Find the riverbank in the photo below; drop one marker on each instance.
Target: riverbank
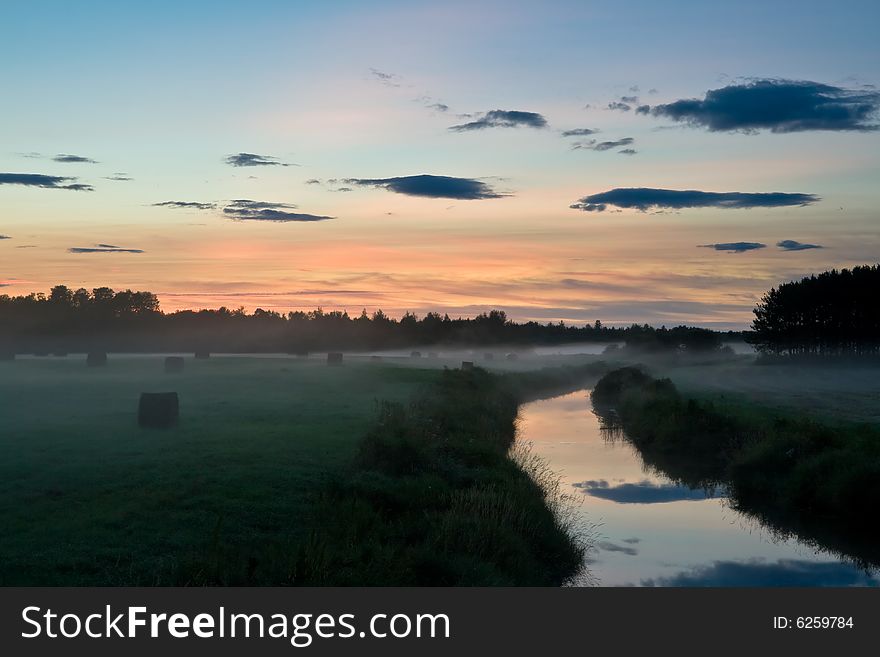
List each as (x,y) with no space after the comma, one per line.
(797,475)
(437,497)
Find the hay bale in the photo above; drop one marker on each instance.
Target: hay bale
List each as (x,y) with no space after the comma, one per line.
(202,355)
(174,364)
(158,410)
(467,364)
(334,358)
(415,354)
(96,359)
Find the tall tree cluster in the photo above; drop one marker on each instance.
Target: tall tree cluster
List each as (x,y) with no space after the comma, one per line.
(833,313)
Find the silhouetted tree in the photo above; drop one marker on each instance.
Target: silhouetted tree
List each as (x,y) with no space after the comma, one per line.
(832,314)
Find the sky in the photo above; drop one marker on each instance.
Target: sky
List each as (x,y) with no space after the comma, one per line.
(628,162)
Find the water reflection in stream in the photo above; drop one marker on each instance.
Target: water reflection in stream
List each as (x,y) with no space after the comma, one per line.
(655,533)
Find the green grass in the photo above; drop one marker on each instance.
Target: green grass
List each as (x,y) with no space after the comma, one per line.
(88,498)
(820,481)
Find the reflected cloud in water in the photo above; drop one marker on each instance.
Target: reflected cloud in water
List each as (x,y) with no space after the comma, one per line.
(758,572)
(643,492)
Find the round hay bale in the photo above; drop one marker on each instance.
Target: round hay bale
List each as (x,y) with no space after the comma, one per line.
(334,358)
(174,364)
(96,359)
(202,355)
(467,364)
(158,410)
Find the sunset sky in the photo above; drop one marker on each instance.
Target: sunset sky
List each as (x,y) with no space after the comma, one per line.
(269,154)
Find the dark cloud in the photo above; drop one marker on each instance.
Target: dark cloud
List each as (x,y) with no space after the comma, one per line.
(440,107)
(44,181)
(632,541)
(247,210)
(503,119)
(119,176)
(643,492)
(792,245)
(619,106)
(608,546)
(760,573)
(254,160)
(432,186)
(594,145)
(5,237)
(645,198)
(186,204)
(777,106)
(102,248)
(64,157)
(313,181)
(735,247)
(579,132)
(629,100)
(628,151)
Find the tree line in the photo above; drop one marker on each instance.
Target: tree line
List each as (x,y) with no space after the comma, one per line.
(835,313)
(66,320)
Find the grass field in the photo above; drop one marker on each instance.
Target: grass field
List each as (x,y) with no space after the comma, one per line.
(87,497)
(847,394)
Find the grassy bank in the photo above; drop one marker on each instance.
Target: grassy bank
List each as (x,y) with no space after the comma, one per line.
(798,475)
(435,496)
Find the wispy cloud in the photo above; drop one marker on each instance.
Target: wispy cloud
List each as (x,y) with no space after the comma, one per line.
(254,160)
(72,159)
(102,248)
(388,79)
(777,106)
(579,132)
(432,186)
(792,245)
(119,177)
(646,198)
(595,145)
(503,119)
(247,210)
(734,247)
(619,106)
(44,181)
(192,205)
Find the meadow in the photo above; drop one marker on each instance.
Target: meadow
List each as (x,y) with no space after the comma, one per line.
(87,497)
